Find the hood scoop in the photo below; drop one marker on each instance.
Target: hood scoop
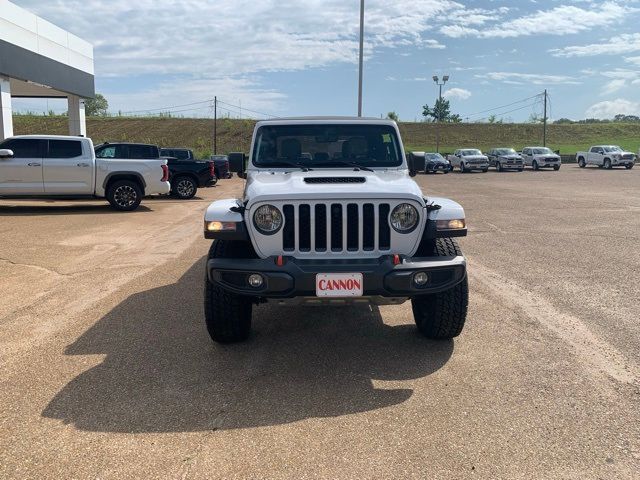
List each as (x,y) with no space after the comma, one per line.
(335,180)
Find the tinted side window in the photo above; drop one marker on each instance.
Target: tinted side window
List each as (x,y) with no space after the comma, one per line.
(64,149)
(106,152)
(143,151)
(25,147)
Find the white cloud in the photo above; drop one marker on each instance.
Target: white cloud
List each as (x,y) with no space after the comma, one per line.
(457,93)
(618,45)
(613,86)
(634,60)
(611,108)
(515,78)
(561,20)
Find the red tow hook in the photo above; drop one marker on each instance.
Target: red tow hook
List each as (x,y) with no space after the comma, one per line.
(396,259)
(279,261)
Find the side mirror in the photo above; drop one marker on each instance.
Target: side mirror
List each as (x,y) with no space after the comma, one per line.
(6,153)
(237,162)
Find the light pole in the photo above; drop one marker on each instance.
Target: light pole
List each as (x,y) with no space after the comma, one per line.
(361,60)
(445,79)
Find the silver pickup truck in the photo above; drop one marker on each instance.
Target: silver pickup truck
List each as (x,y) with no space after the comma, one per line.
(606,156)
(55,166)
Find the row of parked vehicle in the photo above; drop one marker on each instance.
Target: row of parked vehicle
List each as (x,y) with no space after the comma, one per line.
(123,173)
(502,159)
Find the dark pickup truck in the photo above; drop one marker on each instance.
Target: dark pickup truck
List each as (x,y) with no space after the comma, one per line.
(185,175)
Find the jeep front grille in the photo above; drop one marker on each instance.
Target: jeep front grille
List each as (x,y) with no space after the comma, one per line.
(336,227)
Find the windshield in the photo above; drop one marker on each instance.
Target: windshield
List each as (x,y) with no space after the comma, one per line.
(505,151)
(326,146)
(612,149)
(542,151)
(466,153)
(434,156)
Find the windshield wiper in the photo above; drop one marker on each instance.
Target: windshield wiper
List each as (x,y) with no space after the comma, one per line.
(355,165)
(281,163)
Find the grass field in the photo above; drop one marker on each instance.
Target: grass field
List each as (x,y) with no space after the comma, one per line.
(235,135)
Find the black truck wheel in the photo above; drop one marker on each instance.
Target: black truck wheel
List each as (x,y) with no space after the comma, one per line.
(227,315)
(124,195)
(184,187)
(442,315)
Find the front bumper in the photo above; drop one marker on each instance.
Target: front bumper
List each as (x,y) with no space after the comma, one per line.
(437,167)
(297,278)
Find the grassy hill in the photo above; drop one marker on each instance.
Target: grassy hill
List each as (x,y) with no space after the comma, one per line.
(235,135)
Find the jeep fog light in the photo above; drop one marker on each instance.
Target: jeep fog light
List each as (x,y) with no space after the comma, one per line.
(267,219)
(255,280)
(404,218)
(420,279)
(220,226)
(457,224)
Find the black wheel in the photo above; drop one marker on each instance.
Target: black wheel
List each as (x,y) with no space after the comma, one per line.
(607,164)
(535,165)
(498,166)
(629,166)
(581,162)
(227,315)
(442,315)
(556,167)
(521,169)
(184,187)
(462,168)
(485,170)
(124,195)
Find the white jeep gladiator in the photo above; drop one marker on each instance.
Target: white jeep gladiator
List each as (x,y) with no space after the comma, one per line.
(330,216)
(63,166)
(606,156)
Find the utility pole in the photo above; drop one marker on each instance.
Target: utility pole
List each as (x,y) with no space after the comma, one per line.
(215,125)
(361,59)
(445,79)
(544,121)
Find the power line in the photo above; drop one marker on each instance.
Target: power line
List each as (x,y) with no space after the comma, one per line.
(247,109)
(502,106)
(168,108)
(510,111)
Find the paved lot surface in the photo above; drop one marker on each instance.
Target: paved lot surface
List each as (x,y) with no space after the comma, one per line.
(106,370)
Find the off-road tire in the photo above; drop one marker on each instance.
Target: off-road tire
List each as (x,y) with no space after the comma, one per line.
(227,314)
(442,315)
(581,162)
(124,195)
(184,187)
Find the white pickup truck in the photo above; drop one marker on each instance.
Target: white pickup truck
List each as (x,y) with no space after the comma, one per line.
(606,156)
(55,166)
(329,216)
(468,159)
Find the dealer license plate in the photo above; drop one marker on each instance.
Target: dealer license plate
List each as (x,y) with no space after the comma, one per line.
(339,285)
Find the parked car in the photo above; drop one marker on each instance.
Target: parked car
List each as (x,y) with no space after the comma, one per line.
(428,162)
(221,163)
(606,156)
(505,159)
(185,176)
(346,226)
(541,157)
(468,159)
(54,166)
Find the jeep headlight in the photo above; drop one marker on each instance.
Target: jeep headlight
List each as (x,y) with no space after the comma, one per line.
(404,218)
(267,219)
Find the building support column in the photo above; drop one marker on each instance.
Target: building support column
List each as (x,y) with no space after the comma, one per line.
(6,118)
(77,120)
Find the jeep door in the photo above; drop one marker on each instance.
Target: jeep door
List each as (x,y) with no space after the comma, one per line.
(21,174)
(68,169)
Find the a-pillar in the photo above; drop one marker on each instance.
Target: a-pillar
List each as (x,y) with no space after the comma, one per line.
(6,119)
(77,120)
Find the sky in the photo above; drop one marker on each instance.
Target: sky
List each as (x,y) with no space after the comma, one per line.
(284,57)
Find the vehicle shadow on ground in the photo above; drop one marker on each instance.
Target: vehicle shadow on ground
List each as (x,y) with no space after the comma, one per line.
(16,210)
(162,373)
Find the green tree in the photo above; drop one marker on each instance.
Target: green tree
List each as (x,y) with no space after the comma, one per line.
(441,111)
(393,116)
(97,106)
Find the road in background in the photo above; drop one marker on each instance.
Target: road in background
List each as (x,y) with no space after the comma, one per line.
(106,369)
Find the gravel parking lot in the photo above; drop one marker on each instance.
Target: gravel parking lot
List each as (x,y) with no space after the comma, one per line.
(107,371)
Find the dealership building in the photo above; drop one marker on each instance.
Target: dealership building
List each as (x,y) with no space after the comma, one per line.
(41,60)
